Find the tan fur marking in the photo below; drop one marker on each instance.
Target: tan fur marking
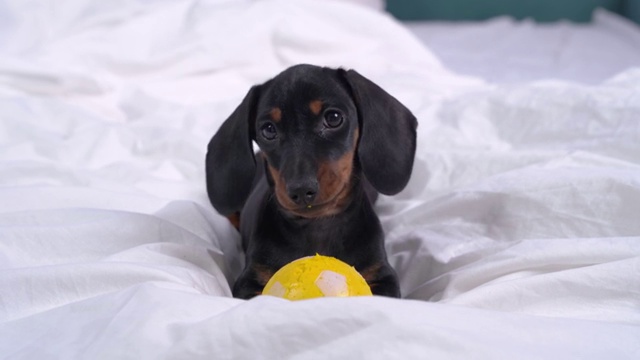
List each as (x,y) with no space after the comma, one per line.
(334,175)
(276,114)
(335,182)
(316,106)
(263,274)
(280,188)
(369,273)
(235,220)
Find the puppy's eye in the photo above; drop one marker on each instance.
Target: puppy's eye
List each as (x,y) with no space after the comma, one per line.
(269,131)
(333,119)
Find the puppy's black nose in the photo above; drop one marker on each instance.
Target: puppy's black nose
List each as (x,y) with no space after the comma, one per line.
(303,192)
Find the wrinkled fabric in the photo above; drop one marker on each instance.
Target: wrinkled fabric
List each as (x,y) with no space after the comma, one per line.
(517,236)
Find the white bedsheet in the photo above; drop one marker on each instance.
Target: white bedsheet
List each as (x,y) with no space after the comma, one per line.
(517,237)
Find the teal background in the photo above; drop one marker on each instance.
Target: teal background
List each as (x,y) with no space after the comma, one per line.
(539,10)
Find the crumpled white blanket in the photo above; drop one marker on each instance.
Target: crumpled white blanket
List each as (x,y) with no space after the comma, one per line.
(517,237)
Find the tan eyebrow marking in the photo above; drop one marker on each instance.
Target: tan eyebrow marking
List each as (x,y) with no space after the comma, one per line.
(276,114)
(315,106)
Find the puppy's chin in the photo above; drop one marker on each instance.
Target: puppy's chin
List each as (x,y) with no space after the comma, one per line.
(313,212)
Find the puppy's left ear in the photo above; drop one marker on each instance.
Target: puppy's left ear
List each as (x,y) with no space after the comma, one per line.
(387,135)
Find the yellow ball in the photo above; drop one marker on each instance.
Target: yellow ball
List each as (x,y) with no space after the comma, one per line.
(316,276)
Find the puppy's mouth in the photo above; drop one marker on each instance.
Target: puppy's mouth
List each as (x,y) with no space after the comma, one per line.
(333,206)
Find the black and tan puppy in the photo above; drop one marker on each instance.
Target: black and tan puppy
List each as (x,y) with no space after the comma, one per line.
(329,139)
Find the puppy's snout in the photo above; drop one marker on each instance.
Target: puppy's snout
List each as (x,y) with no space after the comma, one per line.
(303,192)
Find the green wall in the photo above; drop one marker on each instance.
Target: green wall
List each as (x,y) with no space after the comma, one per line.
(540,10)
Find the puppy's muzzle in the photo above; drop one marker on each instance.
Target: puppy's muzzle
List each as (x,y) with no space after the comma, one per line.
(303,192)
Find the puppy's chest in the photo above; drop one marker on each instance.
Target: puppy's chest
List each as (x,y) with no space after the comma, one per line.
(329,239)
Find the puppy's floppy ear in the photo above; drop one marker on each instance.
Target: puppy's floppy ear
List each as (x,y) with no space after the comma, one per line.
(230,163)
(387,135)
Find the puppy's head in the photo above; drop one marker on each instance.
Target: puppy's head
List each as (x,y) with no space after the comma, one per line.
(316,128)
(307,129)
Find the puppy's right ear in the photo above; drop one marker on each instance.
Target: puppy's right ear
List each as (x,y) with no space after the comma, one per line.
(230,163)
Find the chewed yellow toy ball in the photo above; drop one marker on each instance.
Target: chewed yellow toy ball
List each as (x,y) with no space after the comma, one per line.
(316,276)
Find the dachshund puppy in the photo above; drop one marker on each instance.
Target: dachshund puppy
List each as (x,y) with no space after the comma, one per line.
(329,140)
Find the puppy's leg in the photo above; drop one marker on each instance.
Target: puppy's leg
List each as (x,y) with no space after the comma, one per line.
(382,279)
(251,282)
